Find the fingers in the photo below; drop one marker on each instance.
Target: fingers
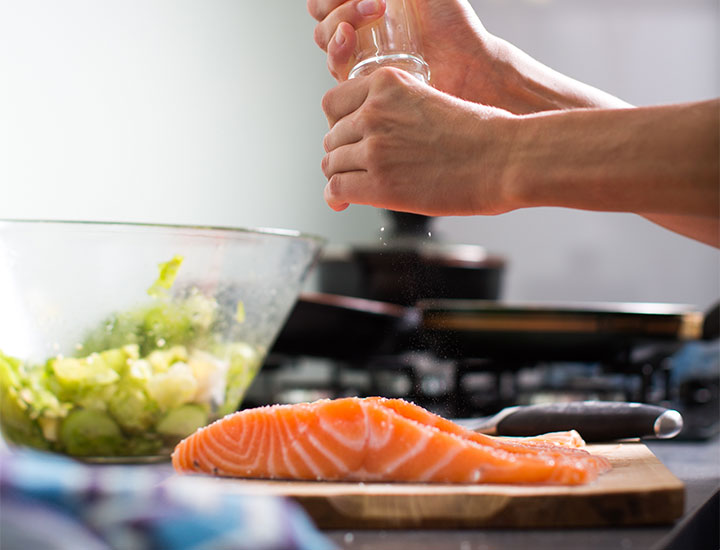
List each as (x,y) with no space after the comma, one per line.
(341,52)
(320,9)
(345,98)
(343,159)
(357,13)
(342,189)
(345,132)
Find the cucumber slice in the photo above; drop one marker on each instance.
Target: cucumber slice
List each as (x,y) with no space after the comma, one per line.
(183,421)
(87,432)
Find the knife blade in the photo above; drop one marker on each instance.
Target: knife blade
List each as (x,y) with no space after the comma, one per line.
(594,420)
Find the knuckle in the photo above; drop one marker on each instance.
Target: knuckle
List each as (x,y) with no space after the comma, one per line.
(387,76)
(372,148)
(326,143)
(373,152)
(379,161)
(312,8)
(325,166)
(320,36)
(333,190)
(327,102)
(370,118)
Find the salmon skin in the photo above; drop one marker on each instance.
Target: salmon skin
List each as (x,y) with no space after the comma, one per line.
(373,439)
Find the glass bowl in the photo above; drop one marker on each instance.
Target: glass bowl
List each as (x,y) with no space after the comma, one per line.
(117,340)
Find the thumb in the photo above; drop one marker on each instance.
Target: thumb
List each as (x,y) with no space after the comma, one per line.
(341,51)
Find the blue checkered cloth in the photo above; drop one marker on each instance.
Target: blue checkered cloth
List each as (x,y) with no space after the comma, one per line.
(51,502)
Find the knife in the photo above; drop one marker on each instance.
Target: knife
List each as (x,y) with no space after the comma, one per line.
(594,420)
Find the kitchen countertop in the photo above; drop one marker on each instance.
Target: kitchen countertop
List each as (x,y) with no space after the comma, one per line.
(697,464)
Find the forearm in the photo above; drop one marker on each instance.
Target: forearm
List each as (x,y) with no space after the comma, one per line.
(705,229)
(527,86)
(650,161)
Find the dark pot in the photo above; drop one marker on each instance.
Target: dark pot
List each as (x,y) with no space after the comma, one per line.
(407,272)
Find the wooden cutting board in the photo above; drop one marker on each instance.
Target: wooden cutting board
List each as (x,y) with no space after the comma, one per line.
(639,490)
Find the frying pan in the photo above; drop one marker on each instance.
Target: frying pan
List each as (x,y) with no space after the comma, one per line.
(348,328)
(569,332)
(345,328)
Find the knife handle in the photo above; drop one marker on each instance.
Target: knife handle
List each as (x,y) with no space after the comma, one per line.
(594,420)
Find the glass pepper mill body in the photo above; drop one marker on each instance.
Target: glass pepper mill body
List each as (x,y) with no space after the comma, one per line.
(391,41)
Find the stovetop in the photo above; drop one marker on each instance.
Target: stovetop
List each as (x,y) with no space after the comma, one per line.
(460,388)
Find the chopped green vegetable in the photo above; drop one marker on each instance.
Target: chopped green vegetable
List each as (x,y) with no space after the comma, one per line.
(160,325)
(245,361)
(173,388)
(162,360)
(132,408)
(167,276)
(17,424)
(183,421)
(90,433)
(73,374)
(240,312)
(141,381)
(14,410)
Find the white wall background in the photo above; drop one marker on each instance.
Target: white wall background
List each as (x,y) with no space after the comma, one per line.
(208,112)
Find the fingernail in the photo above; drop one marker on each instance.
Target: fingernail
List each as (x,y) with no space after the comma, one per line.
(339,37)
(368,7)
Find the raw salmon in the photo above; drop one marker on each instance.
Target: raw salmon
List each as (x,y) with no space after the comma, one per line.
(569,439)
(372,439)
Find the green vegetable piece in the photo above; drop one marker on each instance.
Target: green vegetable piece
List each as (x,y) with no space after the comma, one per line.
(173,388)
(17,424)
(210,374)
(162,360)
(144,445)
(165,325)
(117,331)
(95,397)
(183,421)
(50,427)
(160,325)
(245,361)
(74,373)
(139,371)
(9,371)
(88,382)
(166,278)
(132,408)
(118,359)
(91,433)
(27,409)
(240,312)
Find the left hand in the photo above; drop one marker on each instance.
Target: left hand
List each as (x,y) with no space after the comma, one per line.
(399,144)
(462,55)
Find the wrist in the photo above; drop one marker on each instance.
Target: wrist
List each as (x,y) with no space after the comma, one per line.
(513,182)
(498,167)
(501,75)
(523,85)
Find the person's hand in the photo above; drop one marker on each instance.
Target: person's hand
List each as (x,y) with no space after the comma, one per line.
(454,41)
(465,60)
(396,143)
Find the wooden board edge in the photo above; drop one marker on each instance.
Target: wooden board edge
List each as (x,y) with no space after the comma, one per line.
(660,507)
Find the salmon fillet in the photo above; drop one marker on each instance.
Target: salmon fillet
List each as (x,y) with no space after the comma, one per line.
(570,439)
(372,439)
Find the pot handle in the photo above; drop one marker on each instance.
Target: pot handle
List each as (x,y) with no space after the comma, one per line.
(711,324)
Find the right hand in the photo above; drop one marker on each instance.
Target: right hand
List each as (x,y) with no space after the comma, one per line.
(398,144)
(456,46)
